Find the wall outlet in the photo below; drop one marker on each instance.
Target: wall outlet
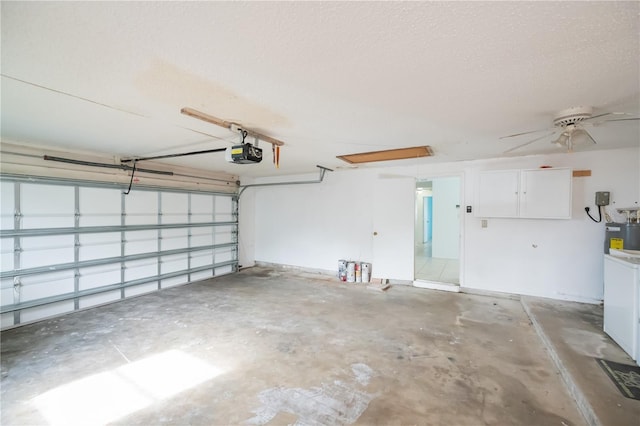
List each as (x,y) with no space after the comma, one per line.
(602,198)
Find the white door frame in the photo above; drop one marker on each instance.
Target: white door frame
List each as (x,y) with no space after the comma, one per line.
(463,208)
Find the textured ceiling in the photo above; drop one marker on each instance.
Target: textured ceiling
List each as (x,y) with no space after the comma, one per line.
(327,78)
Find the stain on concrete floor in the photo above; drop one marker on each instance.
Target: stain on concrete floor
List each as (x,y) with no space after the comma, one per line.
(331,404)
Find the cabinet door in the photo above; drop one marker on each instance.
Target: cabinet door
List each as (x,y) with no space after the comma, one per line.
(620,312)
(498,194)
(545,194)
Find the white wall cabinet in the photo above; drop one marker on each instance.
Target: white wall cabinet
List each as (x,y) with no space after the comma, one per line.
(532,194)
(498,193)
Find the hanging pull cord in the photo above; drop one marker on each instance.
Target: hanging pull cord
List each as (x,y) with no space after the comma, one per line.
(133,172)
(244,134)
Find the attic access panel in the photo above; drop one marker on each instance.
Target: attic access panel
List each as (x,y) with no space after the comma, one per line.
(387,155)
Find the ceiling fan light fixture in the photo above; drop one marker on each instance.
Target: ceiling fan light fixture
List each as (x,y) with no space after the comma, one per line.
(580,135)
(569,122)
(562,140)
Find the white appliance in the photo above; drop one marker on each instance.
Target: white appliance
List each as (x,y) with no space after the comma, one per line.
(622,300)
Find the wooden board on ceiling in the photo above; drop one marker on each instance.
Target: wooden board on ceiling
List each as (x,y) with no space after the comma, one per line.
(388,155)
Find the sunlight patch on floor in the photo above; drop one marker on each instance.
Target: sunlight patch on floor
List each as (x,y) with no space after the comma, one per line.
(111,395)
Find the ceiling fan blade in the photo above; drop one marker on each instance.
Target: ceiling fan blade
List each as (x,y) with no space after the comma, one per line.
(606,114)
(524,133)
(590,137)
(602,115)
(527,143)
(620,119)
(599,123)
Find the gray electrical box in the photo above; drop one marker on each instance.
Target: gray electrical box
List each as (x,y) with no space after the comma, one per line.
(602,198)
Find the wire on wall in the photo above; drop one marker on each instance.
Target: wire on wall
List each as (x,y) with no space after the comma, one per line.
(133,172)
(586,209)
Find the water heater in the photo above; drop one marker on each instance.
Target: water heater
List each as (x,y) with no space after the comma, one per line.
(624,236)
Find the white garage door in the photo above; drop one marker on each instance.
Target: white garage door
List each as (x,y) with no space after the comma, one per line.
(72,245)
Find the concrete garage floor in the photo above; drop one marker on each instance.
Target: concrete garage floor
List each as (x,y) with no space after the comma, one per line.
(267,346)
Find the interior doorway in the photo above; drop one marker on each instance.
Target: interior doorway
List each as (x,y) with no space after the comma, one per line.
(437,230)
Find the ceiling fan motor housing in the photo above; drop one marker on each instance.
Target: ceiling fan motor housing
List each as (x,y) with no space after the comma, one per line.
(571,116)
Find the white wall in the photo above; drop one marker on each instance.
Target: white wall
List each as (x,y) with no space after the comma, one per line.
(313,226)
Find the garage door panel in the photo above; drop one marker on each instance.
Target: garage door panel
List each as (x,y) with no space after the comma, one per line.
(201,258)
(202,204)
(174,263)
(46,311)
(137,242)
(141,289)
(202,237)
(223,270)
(141,208)
(224,209)
(42,251)
(202,275)
(6,254)
(100,207)
(223,235)
(6,320)
(86,244)
(99,276)
(99,299)
(201,218)
(175,207)
(174,238)
(6,292)
(7,205)
(97,246)
(224,256)
(47,206)
(138,269)
(175,281)
(46,285)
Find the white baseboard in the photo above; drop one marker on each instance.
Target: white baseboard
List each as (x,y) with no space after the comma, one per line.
(437,286)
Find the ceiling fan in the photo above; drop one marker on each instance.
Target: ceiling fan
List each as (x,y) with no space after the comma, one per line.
(570,123)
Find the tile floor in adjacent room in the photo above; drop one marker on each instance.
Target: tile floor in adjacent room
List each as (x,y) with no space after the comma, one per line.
(429,268)
(285,347)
